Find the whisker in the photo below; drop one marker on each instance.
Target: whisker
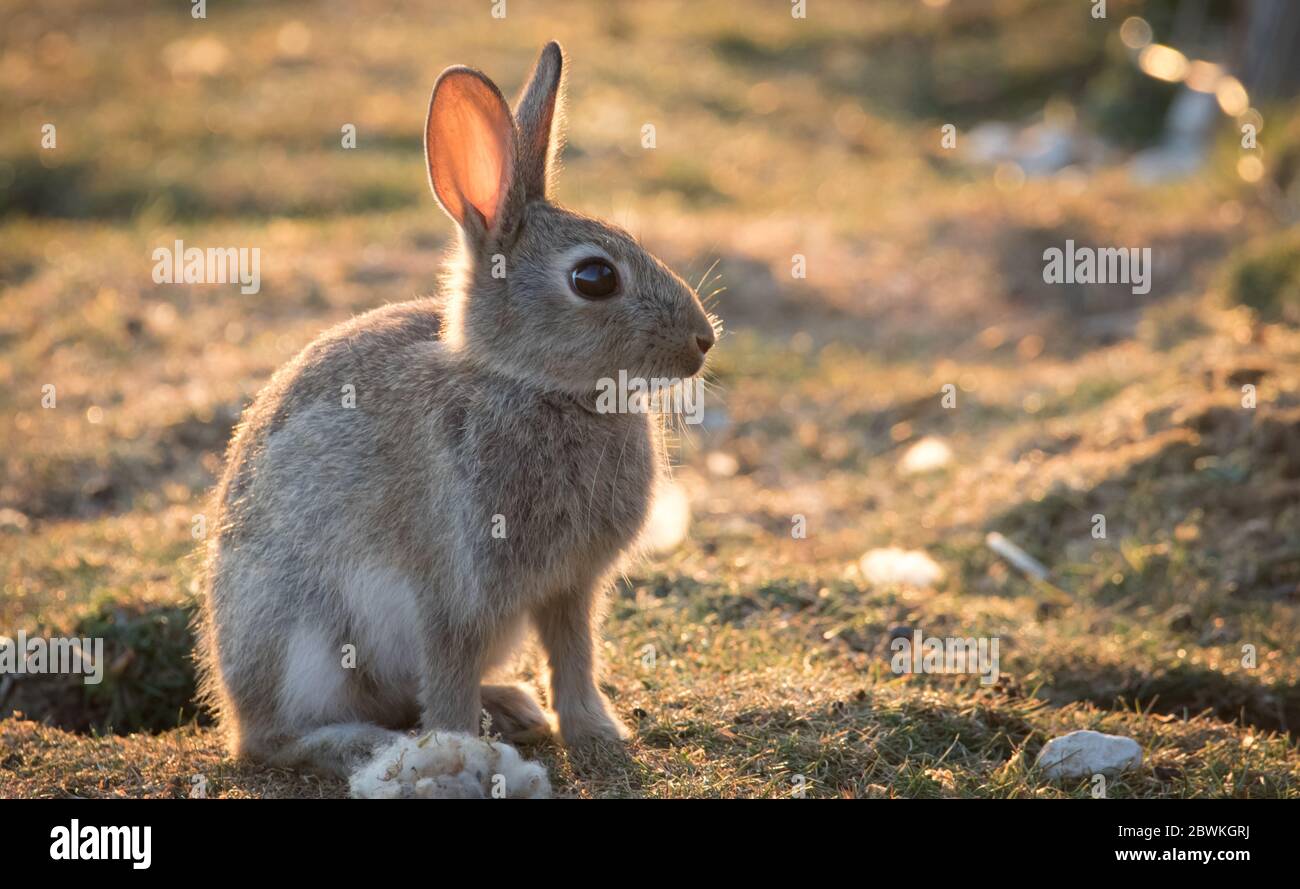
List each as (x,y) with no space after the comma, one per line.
(713,279)
(707,272)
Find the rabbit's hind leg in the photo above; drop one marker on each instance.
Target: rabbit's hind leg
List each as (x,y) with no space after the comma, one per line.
(516,715)
(311,720)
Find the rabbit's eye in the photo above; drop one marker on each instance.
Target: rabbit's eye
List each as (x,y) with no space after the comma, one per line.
(594,279)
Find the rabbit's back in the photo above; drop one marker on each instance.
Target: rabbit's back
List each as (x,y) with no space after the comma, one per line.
(313,538)
(339,427)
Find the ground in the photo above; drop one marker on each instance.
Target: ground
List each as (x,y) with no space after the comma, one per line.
(748,660)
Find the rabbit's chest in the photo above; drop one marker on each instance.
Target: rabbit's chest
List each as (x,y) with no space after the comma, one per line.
(565,497)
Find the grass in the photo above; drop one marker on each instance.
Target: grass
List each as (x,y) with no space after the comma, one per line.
(1267,278)
(769,653)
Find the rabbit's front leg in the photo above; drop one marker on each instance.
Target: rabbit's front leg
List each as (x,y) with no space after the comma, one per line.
(453,670)
(564,624)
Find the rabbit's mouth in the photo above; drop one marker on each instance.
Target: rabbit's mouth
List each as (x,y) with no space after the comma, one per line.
(678,365)
(691,365)
(680,356)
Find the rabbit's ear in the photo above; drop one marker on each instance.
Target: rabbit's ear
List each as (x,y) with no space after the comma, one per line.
(539,114)
(469,143)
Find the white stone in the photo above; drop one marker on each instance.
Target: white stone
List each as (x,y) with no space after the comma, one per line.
(1085,753)
(927,455)
(909,567)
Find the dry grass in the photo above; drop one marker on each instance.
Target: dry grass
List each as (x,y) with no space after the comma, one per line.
(817,138)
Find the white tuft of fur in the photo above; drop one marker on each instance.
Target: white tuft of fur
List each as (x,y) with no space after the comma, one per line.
(449,765)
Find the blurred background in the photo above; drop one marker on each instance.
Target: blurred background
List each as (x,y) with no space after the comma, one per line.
(914,158)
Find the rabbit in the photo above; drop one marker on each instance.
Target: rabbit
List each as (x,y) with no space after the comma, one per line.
(369,564)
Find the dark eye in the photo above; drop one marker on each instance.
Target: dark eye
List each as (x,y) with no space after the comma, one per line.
(594,279)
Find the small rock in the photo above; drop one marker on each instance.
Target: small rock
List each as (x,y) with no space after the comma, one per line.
(1084,753)
(14,521)
(927,455)
(899,566)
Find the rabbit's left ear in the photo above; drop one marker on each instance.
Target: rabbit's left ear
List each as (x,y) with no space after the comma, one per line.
(539,118)
(469,143)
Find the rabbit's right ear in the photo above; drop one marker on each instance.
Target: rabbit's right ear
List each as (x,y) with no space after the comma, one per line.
(539,114)
(469,144)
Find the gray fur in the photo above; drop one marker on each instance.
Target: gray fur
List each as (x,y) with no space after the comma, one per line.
(371,526)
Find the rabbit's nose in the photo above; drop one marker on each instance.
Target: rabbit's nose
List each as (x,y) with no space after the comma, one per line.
(705,343)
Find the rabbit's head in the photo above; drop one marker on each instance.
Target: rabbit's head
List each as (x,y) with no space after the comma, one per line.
(540,293)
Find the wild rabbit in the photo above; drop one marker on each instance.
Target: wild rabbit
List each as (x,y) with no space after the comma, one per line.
(472,489)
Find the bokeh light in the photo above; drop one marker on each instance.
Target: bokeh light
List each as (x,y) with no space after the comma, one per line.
(1163,63)
(1135,33)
